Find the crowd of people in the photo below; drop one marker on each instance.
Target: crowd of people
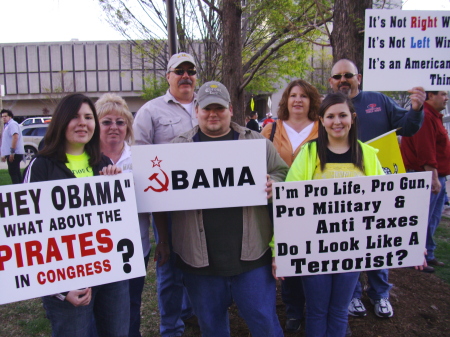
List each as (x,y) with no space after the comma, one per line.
(209,258)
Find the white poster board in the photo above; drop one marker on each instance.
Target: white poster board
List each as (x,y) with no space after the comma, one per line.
(200,175)
(68,234)
(352,224)
(404,49)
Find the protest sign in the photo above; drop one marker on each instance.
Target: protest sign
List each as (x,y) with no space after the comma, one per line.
(200,175)
(68,234)
(389,153)
(403,49)
(350,224)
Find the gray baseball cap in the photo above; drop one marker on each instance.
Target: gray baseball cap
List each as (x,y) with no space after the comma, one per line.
(179,58)
(213,93)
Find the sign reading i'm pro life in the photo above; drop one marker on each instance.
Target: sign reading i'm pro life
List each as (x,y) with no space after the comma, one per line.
(350,224)
(403,49)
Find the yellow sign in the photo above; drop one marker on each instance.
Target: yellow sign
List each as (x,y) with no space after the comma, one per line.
(389,155)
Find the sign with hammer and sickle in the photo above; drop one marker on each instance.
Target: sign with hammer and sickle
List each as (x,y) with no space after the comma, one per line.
(163,185)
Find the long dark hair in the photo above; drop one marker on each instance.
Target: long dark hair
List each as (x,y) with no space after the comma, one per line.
(55,138)
(310,91)
(322,139)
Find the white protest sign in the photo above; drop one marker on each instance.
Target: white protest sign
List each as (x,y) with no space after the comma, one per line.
(68,234)
(403,49)
(352,224)
(200,175)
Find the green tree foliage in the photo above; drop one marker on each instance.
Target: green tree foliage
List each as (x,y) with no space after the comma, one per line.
(154,87)
(276,37)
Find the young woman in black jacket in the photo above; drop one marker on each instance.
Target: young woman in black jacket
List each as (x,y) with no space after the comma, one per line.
(72,150)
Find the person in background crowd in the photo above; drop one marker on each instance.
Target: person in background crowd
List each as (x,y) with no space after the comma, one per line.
(297,124)
(429,150)
(340,155)
(377,114)
(72,150)
(253,122)
(229,258)
(268,119)
(116,136)
(158,122)
(12,149)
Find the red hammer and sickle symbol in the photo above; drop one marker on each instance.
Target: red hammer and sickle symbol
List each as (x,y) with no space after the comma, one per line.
(154,176)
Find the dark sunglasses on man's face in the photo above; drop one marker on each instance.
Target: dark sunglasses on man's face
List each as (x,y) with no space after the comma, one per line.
(346,75)
(180,72)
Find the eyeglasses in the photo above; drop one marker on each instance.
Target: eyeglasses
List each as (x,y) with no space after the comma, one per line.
(346,75)
(118,123)
(180,72)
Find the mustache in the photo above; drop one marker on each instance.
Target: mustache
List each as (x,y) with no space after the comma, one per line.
(344,83)
(185,81)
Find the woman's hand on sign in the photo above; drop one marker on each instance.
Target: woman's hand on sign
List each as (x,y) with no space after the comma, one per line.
(274,270)
(425,264)
(79,298)
(269,187)
(110,170)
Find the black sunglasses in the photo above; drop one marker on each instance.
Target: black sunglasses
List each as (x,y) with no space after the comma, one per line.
(346,75)
(180,72)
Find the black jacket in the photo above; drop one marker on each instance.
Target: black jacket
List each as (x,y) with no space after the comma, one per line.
(43,169)
(253,125)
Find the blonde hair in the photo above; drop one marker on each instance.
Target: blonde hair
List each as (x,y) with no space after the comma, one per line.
(112,103)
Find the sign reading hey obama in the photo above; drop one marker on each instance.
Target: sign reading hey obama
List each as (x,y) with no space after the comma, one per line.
(200,175)
(62,235)
(351,224)
(406,48)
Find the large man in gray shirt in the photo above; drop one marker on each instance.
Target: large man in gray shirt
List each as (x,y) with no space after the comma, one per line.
(158,122)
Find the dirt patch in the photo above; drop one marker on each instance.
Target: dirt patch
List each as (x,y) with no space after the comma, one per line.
(421,305)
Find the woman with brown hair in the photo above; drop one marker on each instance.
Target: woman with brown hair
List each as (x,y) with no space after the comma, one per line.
(72,150)
(297,119)
(297,124)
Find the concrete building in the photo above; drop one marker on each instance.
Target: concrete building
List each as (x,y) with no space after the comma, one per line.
(35,75)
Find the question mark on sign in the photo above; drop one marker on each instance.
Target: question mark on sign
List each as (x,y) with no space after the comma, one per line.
(401,255)
(127,255)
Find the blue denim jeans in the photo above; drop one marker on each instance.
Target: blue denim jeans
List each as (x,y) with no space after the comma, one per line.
(434,217)
(254,293)
(379,286)
(136,285)
(173,301)
(109,305)
(293,296)
(327,300)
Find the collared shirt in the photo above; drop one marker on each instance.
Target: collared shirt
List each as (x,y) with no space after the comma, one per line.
(429,146)
(162,119)
(11,128)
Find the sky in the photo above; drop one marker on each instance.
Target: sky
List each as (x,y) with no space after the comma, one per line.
(64,20)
